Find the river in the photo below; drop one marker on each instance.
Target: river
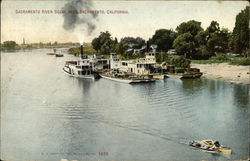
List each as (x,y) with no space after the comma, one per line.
(48,116)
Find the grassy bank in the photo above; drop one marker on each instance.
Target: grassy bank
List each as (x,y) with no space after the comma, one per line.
(222,58)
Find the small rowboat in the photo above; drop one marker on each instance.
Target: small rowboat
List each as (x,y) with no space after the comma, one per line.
(210,146)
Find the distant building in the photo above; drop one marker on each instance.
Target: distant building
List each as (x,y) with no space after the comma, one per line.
(23,41)
(139,51)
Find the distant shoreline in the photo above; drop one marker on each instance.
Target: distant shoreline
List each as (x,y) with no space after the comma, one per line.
(225,72)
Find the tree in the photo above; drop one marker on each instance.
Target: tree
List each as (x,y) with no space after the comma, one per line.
(96,44)
(211,41)
(203,53)
(163,38)
(103,43)
(219,41)
(9,45)
(190,36)
(119,48)
(201,38)
(240,36)
(213,27)
(106,48)
(184,45)
(192,26)
(137,42)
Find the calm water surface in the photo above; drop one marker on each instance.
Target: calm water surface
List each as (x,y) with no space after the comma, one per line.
(47,115)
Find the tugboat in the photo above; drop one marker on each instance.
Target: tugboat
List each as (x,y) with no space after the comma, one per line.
(83,68)
(210,146)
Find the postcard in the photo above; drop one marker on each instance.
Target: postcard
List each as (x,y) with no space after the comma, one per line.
(105,80)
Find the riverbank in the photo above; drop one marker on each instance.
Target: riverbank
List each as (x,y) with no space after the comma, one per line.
(226,72)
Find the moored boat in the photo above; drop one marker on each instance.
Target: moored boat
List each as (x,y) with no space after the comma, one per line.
(210,146)
(158,76)
(175,76)
(59,55)
(51,54)
(82,68)
(124,79)
(183,73)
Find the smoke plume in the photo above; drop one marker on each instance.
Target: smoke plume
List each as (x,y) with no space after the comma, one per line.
(74,20)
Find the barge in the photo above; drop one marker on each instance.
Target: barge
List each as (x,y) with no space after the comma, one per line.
(126,78)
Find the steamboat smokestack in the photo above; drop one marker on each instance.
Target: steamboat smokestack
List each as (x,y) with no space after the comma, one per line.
(81,51)
(147,46)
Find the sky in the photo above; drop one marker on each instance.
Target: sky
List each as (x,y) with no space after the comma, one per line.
(141,18)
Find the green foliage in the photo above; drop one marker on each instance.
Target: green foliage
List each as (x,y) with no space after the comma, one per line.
(185,45)
(106,48)
(192,26)
(203,53)
(213,27)
(96,44)
(223,58)
(190,36)
(89,49)
(179,61)
(211,41)
(201,38)
(163,38)
(103,43)
(161,57)
(9,45)
(119,48)
(195,43)
(137,42)
(218,41)
(241,61)
(241,31)
(75,51)
(220,57)
(86,50)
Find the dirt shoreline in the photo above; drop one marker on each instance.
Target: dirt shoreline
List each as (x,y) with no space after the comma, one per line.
(225,72)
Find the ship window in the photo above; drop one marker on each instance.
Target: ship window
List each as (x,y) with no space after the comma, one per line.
(124,64)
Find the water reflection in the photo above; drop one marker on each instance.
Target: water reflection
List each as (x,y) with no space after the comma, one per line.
(242,95)
(192,86)
(85,84)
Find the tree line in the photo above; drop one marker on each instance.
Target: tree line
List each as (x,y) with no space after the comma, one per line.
(189,39)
